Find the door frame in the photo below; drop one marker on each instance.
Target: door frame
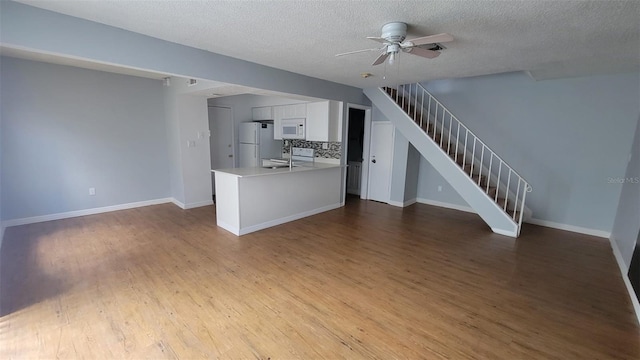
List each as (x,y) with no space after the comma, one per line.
(233,131)
(366,143)
(233,137)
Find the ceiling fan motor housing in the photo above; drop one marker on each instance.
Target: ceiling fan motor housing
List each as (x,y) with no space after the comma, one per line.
(394,32)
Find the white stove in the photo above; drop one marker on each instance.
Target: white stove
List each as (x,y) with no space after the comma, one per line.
(302,154)
(299,157)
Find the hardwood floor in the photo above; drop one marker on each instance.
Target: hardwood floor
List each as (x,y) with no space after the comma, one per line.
(364,281)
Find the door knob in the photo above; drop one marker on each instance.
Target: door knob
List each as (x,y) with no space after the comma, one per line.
(373,161)
(230,155)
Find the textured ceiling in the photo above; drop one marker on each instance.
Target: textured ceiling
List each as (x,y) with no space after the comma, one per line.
(550,39)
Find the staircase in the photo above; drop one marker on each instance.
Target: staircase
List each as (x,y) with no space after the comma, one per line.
(488,184)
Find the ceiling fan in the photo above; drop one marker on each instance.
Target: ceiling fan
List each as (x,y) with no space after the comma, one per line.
(393,37)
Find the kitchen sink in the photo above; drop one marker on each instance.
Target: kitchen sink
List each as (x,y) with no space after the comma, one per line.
(278,166)
(277,163)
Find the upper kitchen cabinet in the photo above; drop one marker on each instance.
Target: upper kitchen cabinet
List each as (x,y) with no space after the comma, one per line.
(262,113)
(324,121)
(280,112)
(295,111)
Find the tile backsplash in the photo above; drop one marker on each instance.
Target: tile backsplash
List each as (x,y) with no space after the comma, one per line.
(333,152)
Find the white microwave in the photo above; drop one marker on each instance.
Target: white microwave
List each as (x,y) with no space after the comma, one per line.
(293,128)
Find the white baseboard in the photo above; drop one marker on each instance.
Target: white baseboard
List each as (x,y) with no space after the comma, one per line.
(267,224)
(445,205)
(191,205)
(402,204)
(71,214)
(199,204)
(230,228)
(177,203)
(572,228)
(513,234)
(623,271)
(545,223)
(468,209)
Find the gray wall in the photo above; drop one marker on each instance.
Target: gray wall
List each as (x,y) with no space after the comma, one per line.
(41,30)
(627,221)
(566,137)
(66,129)
(1,218)
(413,173)
(190,167)
(428,182)
(176,176)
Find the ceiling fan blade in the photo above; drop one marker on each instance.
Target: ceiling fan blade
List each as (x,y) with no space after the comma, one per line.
(358,51)
(431,39)
(378,39)
(381,59)
(429,54)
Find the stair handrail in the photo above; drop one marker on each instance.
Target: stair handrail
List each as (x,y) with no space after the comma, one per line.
(420,91)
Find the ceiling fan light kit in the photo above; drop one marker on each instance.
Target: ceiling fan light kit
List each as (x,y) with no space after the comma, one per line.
(393,37)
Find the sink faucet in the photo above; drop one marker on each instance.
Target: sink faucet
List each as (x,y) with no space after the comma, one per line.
(290,156)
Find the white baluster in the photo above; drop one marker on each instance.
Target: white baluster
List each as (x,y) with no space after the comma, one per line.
(449,138)
(442,128)
(457,143)
(422,111)
(464,154)
(473,158)
(481,163)
(429,113)
(489,173)
(506,196)
(499,181)
(515,205)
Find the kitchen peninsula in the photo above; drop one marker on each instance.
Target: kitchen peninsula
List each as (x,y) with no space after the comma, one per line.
(255,198)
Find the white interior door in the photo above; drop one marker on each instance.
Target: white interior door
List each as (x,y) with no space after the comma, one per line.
(380,157)
(221,139)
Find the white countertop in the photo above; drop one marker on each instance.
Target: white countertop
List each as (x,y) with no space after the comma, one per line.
(261,171)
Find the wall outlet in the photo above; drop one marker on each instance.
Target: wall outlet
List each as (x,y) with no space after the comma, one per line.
(92,191)
(325,146)
(439,188)
(191,143)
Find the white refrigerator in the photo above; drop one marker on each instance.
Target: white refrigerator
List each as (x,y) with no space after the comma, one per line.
(257,143)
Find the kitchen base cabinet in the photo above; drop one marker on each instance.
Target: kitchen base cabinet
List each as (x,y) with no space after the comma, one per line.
(252,199)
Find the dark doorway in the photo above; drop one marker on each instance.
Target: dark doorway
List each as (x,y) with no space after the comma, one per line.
(355,146)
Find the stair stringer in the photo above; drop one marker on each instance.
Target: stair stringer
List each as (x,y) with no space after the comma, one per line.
(478,200)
